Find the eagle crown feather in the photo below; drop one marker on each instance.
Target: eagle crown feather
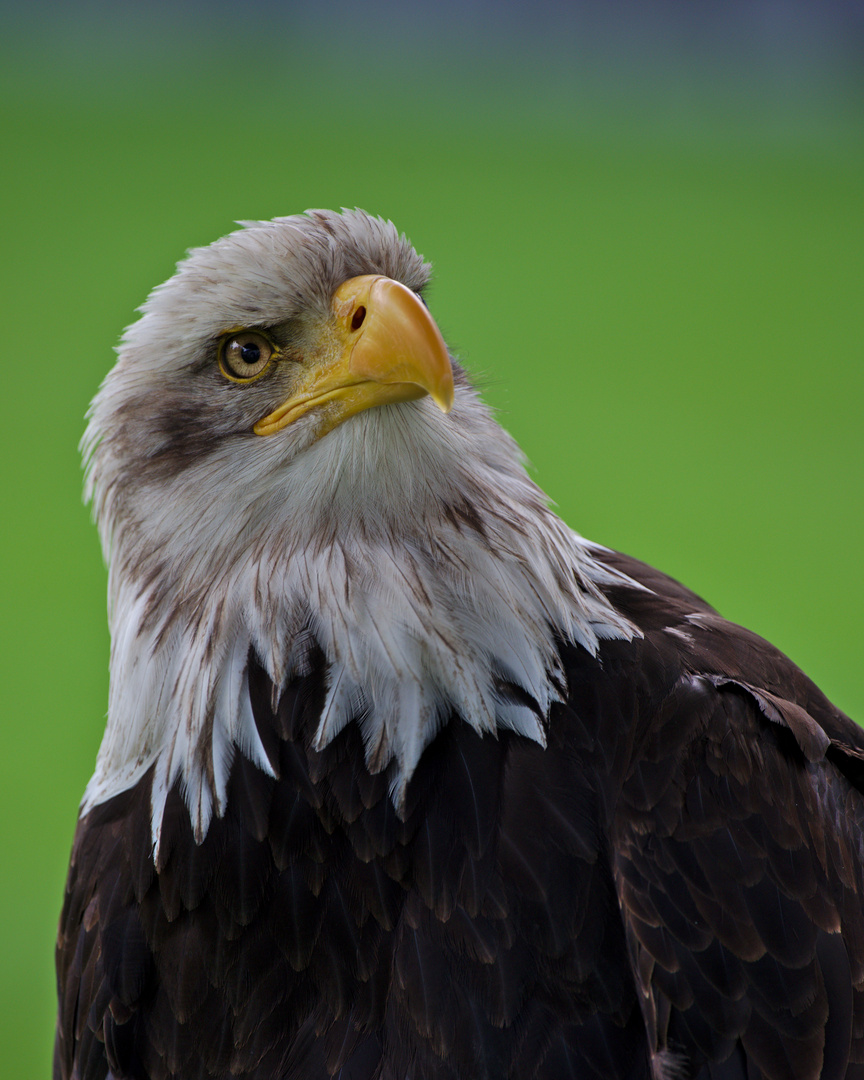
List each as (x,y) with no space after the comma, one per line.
(409,547)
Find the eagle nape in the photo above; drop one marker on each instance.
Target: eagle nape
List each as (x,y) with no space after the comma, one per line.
(403,779)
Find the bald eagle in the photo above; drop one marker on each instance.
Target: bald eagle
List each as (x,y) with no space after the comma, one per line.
(403,779)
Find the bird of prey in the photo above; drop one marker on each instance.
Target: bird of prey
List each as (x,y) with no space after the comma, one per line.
(403,779)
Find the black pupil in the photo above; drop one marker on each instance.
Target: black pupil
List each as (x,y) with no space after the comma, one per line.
(250,353)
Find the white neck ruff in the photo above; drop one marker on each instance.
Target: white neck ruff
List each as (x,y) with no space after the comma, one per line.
(425,587)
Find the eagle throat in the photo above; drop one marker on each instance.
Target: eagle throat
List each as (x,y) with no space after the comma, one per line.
(418,621)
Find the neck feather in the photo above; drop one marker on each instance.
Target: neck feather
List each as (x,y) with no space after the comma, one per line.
(456,606)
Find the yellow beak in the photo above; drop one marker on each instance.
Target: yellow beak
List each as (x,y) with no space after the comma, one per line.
(386,348)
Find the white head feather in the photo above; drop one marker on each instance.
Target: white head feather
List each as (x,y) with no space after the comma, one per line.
(408,546)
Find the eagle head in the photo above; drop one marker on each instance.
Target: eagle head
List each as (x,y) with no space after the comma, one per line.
(286,463)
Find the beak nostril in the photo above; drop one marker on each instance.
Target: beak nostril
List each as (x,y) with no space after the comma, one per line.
(358,317)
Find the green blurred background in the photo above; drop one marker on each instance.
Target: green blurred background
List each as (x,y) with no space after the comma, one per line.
(647,223)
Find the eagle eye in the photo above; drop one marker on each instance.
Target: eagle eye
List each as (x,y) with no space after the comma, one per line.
(244,355)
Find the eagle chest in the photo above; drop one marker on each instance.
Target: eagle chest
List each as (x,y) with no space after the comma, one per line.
(315,928)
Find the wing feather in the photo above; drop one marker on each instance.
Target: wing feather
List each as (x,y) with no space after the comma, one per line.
(730,867)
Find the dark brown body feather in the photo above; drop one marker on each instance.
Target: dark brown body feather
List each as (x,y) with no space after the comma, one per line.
(674,884)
